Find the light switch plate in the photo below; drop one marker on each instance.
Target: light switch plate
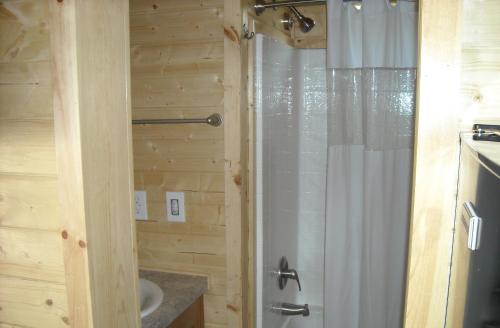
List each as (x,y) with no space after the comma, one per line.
(141,207)
(175,207)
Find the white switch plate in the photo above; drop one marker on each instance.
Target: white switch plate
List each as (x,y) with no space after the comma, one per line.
(175,207)
(141,207)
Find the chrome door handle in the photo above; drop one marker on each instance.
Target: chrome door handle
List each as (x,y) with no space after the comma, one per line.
(474,227)
(291,309)
(284,274)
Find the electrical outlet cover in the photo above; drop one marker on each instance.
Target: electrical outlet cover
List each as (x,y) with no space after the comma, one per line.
(141,207)
(175,207)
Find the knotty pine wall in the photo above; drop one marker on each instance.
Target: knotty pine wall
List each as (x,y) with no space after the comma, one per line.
(32,283)
(480,63)
(177,71)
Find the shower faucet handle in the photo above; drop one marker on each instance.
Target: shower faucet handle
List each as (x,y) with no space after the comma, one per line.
(284,273)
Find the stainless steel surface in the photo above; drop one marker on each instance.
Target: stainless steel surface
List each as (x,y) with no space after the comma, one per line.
(469,208)
(261,5)
(291,309)
(284,273)
(213,120)
(486,132)
(287,21)
(306,24)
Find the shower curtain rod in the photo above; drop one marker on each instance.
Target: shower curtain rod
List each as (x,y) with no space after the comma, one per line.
(261,5)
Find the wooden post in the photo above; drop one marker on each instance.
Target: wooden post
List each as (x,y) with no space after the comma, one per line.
(435,165)
(235,155)
(92,122)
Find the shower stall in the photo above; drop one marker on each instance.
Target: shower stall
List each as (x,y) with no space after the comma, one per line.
(333,158)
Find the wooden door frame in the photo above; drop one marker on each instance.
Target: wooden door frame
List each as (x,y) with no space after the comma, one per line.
(436,159)
(92,123)
(435,166)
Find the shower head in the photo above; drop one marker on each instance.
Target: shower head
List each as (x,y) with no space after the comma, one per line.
(306,23)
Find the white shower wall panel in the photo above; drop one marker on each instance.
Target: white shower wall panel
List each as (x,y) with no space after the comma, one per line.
(291,152)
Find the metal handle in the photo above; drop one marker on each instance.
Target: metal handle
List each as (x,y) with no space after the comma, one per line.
(474,227)
(291,309)
(290,274)
(284,274)
(213,120)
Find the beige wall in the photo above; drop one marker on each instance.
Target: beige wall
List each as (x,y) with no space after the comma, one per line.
(177,54)
(32,283)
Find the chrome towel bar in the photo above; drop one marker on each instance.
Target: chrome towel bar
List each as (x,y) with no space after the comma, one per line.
(213,120)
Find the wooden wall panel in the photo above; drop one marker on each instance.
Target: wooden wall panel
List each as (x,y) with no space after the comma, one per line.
(32,283)
(31,254)
(480,63)
(29,202)
(32,303)
(177,64)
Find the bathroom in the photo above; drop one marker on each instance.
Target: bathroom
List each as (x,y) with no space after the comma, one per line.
(262,163)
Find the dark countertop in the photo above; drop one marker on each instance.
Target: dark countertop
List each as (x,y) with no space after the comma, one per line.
(180,291)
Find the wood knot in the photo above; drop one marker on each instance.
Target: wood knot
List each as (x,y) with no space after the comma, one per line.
(65,320)
(64,234)
(232,34)
(155,6)
(82,244)
(477,98)
(60,1)
(232,308)
(237,179)
(49,302)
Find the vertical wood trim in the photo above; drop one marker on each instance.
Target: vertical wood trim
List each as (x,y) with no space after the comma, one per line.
(435,165)
(235,154)
(91,78)
(69,161)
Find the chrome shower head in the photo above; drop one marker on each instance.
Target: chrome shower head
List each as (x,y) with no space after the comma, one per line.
(306,23)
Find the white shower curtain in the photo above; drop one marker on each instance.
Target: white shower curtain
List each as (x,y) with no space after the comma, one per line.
(371,98)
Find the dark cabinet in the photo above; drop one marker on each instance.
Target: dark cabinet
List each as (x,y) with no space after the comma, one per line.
(192,317)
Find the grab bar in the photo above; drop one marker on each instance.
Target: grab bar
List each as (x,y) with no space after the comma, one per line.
(213,120)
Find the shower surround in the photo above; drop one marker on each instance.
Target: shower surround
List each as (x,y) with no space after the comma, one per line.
(291,149)
(333,170)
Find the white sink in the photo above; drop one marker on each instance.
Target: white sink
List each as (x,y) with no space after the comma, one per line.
(151,296)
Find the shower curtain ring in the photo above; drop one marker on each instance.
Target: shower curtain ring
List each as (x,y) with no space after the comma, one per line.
(246,33)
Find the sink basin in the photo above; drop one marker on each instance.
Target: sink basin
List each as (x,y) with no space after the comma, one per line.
(151,296)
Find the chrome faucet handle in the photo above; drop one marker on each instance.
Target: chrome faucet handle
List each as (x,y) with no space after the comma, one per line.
(284,274)
(291,274)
